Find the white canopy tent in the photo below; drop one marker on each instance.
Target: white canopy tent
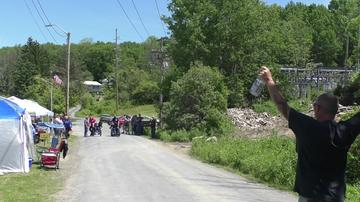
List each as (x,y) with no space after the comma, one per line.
(16,140)
(31,107)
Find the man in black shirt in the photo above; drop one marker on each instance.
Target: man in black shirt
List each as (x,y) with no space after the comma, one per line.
(321,145)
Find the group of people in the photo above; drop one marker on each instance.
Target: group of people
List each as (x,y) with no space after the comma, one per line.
(90,125)
(62,134)
(132,125)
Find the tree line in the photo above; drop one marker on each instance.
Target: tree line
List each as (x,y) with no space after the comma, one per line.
(230,38)
(238,36)
(27,71)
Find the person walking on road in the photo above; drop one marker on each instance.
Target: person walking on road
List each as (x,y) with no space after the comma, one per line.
(153,127)
(86,126)
(321,145)
(67,126)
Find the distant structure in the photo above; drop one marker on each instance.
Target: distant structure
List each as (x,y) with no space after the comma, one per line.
(318,79)
(93,86)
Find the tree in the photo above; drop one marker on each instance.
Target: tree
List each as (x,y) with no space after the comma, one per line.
(237,37)
(326,46)
(345,12)
(198,100)
(33,61)
(99,59)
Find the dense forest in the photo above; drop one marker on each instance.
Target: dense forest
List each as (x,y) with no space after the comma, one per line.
(234,37)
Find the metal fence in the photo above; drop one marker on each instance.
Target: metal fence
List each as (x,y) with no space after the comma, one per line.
(319,79)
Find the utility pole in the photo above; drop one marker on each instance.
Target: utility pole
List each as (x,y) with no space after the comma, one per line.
(161,81)
(159,57)
(68,74)
(116,69)
(51,91)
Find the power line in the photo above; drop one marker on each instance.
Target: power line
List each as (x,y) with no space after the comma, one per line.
(137,12)
(42,19)
(48,21)
(157,8)
(34,19)
(132,24)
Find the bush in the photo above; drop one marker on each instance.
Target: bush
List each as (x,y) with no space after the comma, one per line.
(87,100)
(146,92)
(353,164)
(165,136)
(198,100)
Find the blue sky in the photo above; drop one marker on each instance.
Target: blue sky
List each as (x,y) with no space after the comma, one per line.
(94,19)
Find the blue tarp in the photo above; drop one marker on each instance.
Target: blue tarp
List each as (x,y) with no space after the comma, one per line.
(10,110)
(51,125)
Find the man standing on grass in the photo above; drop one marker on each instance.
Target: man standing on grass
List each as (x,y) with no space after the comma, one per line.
(321,145)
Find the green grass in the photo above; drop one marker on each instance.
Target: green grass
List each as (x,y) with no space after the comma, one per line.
(38,185)
(106,107)
(271,160)
(148,110)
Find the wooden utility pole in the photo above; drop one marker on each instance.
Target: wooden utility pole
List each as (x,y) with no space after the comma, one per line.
(161,81)
(116,69)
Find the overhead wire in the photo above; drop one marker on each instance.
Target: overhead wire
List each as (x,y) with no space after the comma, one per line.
(158,11)
(132,24)
(142,23)
(47,19)
(42,19)
(34,19)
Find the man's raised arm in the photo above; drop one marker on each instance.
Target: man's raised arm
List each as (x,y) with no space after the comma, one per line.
(274,92)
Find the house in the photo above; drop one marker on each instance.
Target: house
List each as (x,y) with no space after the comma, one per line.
(93,86)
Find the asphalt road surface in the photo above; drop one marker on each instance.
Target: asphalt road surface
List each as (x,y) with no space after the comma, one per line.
(132,168)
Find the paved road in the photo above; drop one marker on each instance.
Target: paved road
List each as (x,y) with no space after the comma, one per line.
(132,168)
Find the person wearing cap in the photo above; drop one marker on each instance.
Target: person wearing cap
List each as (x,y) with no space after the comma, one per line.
(321,145)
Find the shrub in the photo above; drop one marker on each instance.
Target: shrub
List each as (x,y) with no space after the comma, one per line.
(180,136)
(197,100)
(146,92)
(87,100)
(165,136)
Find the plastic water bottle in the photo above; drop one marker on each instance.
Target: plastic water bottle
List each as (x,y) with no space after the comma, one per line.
(257,87)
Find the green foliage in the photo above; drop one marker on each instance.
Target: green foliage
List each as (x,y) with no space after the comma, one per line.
(267,106)
(180,135)
(271,159)
(353,165)
(92,107)
(87,101)
(98,58)
(350,94)
(198,100)
(353,193)
(32,62)
(146,92)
